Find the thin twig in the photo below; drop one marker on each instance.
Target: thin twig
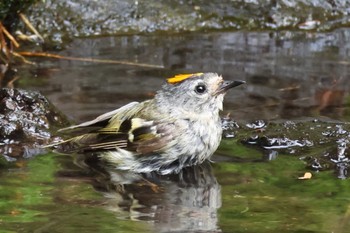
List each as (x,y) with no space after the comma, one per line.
(10,84)
(50,55)
(3,47)
(24,60)
(3,29)
(30,26)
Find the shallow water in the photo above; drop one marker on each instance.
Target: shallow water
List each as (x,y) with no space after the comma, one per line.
(290,76)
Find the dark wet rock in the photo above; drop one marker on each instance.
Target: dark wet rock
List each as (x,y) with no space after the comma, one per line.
(59,19)
(9,11)
(26,121)
(229,126)
(259,124)
(277,142)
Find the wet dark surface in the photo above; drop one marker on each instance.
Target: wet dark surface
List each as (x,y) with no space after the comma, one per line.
(290,118)
(27,122)
(58,21)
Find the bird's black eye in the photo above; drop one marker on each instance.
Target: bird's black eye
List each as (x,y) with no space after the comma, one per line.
(200,89)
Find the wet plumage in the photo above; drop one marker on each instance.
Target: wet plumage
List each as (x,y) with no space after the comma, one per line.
(179,127)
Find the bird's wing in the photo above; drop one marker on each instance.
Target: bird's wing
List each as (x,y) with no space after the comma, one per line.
(117,116)
(147,137)
(140,136)
(121,128)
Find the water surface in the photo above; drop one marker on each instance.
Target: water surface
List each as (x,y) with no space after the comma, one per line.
(291,76)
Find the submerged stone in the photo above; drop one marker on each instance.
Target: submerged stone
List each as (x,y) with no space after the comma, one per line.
(322,145)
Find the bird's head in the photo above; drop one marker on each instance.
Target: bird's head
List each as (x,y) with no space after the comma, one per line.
(199,93)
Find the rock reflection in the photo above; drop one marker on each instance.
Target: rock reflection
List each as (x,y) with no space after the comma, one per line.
(185,202)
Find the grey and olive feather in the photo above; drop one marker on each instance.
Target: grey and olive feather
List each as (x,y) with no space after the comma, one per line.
(179,127)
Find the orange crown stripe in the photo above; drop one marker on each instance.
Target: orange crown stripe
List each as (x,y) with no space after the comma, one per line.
(181,77)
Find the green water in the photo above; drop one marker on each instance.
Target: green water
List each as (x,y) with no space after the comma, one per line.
(35,199)
(48,194)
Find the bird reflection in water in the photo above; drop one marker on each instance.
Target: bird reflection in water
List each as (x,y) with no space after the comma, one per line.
(184,202)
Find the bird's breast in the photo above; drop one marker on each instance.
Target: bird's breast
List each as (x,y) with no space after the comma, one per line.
(198,138)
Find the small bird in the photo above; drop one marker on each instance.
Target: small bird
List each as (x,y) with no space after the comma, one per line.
(179,127)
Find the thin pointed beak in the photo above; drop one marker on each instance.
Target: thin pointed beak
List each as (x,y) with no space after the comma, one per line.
(226,85)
